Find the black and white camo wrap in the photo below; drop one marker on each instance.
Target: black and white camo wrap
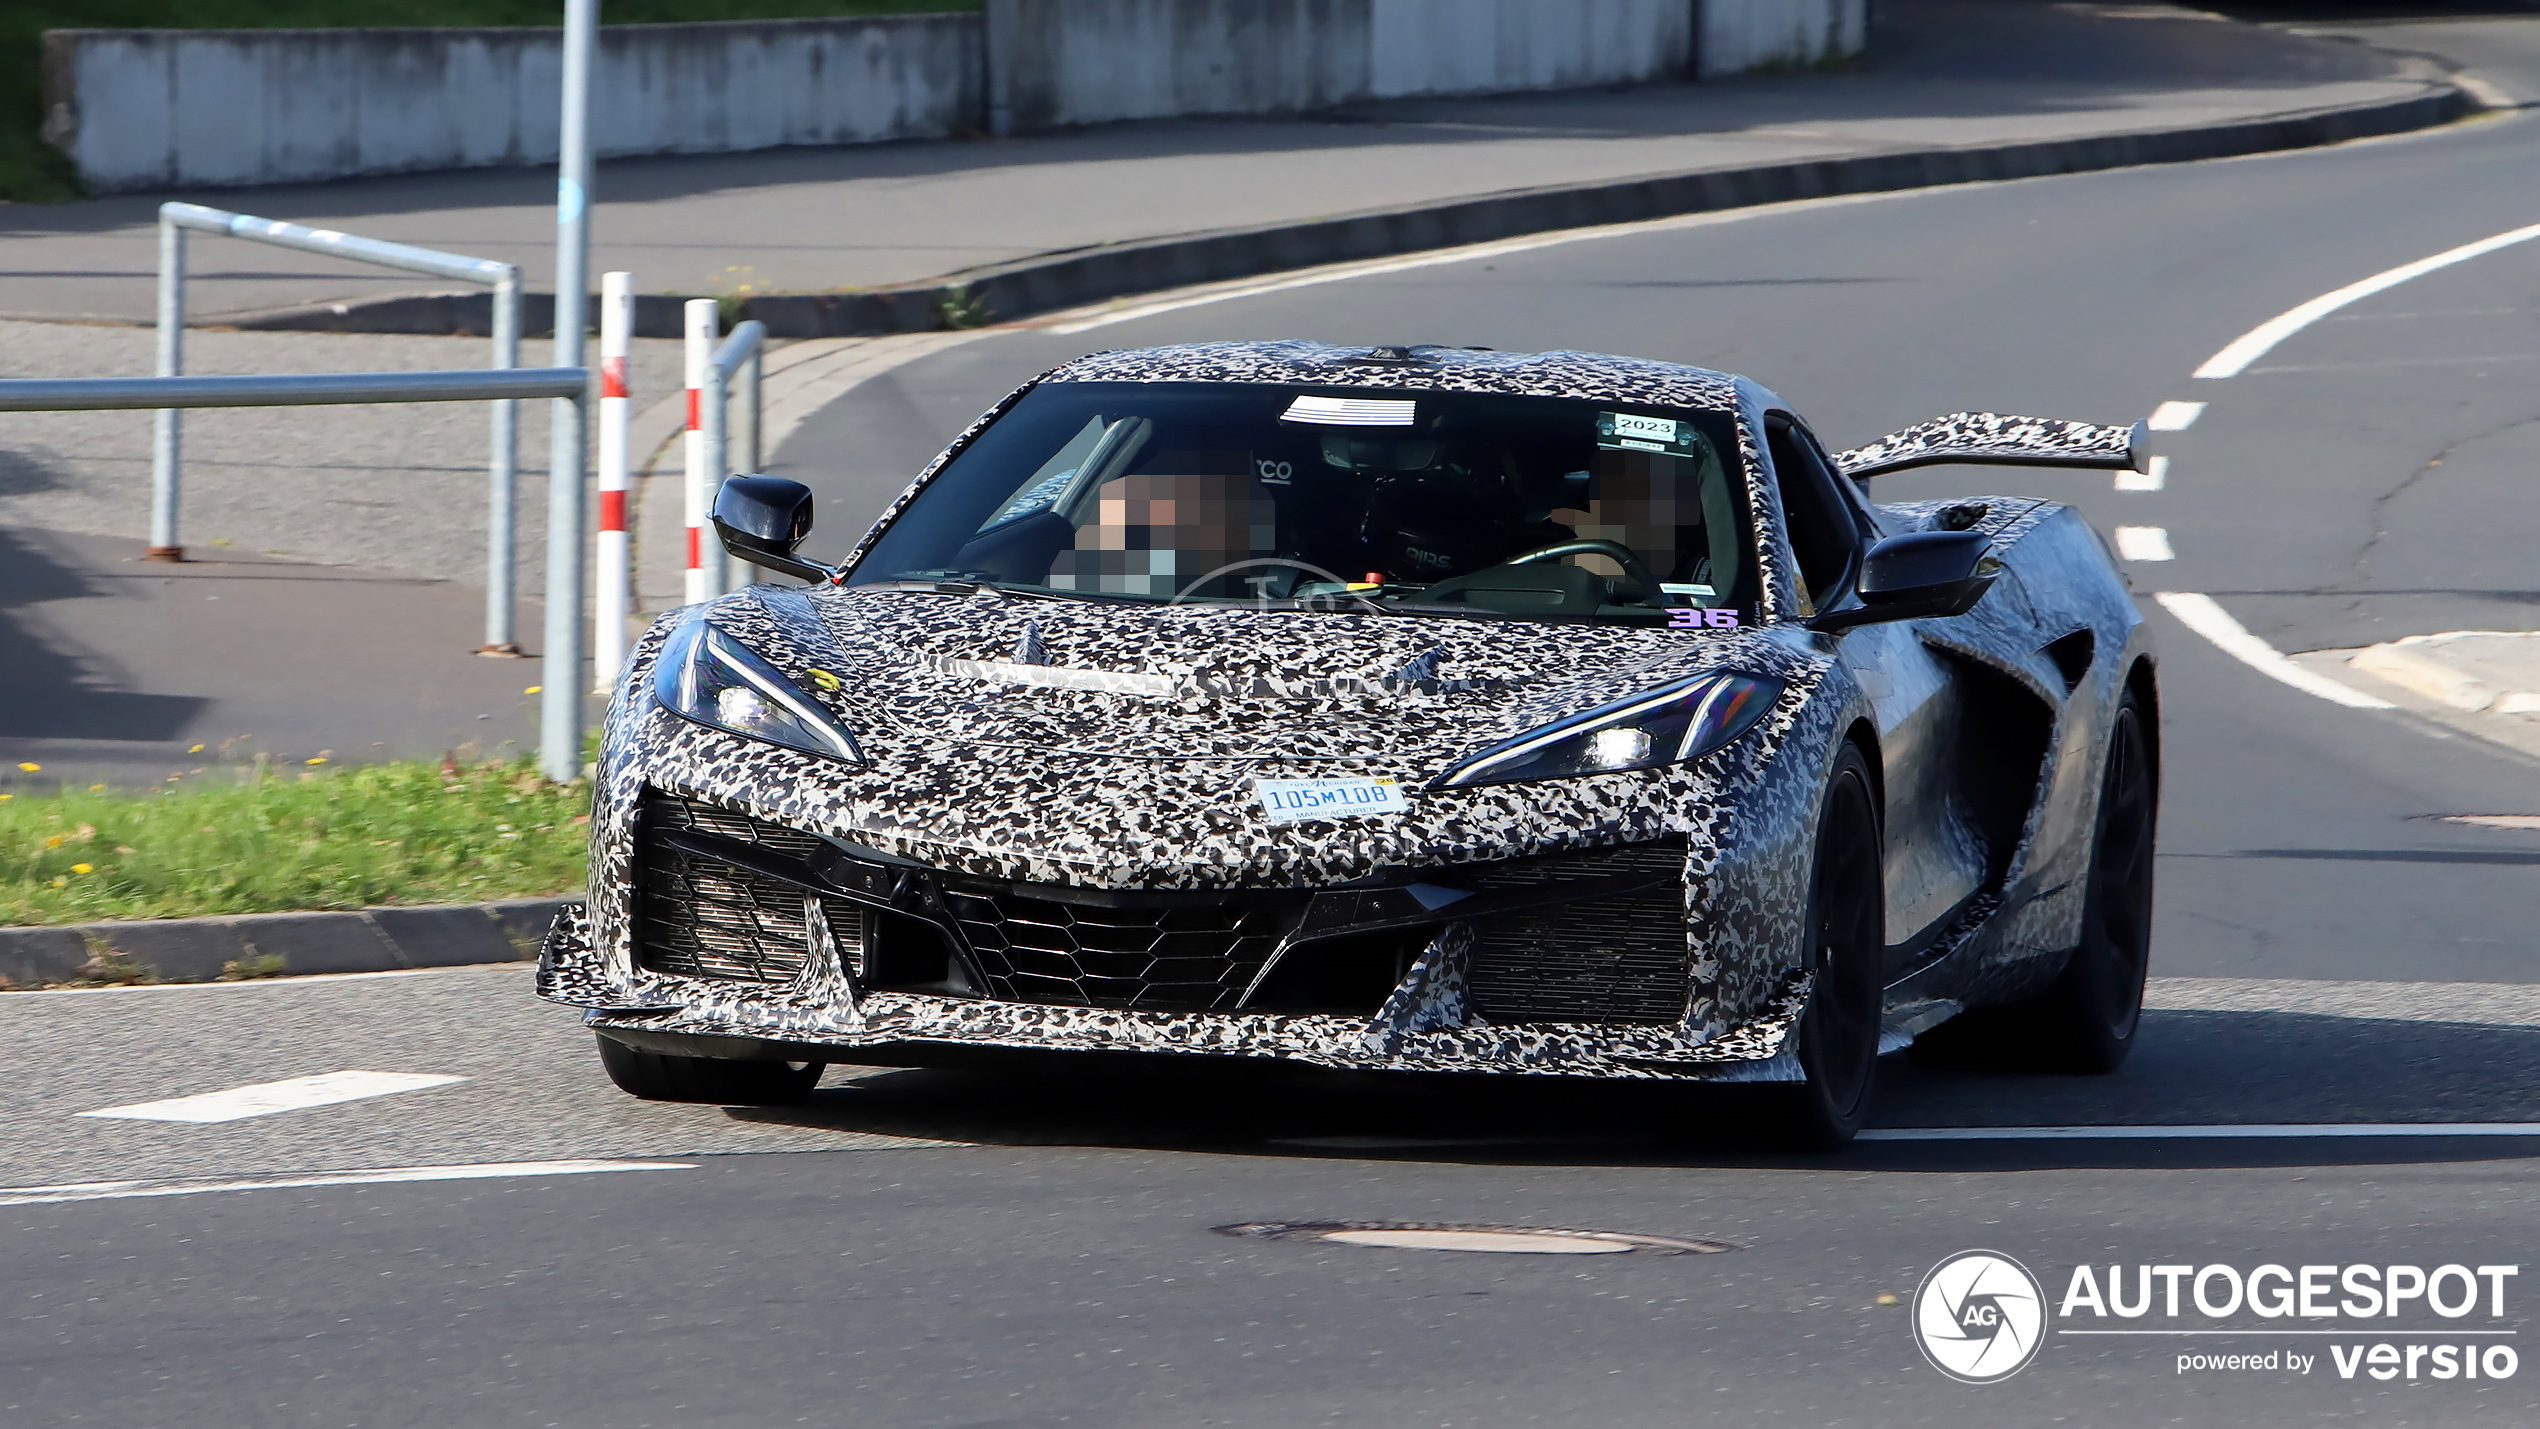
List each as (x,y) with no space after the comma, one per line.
(1994,439)
(1130,766)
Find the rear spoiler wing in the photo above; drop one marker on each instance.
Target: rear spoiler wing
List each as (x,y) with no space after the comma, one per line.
(1990,438)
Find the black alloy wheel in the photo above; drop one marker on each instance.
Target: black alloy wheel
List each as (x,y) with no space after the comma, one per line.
(660,1077)
(1847,933)
(2095,1006)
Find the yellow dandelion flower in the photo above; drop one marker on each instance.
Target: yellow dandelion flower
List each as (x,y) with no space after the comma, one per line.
(32,768)
(60,882)
(96,788)
(56,841)
(321,759)
(533,689)
(4,798)
(197,749)
(83,868)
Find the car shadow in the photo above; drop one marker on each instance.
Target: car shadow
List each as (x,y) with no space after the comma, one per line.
(2191,1069)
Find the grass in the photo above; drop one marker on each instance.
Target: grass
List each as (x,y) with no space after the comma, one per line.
(31,171)
(242,840)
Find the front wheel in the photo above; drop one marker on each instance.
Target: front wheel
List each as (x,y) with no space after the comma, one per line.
(1847,933)
(660,1077)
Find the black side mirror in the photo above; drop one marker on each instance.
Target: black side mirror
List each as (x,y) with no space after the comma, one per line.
(1921,573)
(762,519)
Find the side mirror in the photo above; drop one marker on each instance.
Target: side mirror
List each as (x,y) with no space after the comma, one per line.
(762,519)
(1919,574)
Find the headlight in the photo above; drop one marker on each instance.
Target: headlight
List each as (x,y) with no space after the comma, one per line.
(1685,720)
(716,680)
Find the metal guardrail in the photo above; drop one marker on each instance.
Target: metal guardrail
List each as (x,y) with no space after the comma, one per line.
(560,721)
(502,467)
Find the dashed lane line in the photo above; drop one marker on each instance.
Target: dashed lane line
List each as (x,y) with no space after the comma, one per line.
(483,1171)
(2155,476)
(268,1098)
(2144,543)
(2200,614)
(2176,416)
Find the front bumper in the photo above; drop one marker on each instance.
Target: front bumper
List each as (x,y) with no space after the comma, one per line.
(1425,1026)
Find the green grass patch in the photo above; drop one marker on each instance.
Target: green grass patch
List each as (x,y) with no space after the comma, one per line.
(31,171)
(245,840)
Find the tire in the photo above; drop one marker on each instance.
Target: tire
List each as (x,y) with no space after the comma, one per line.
(659,1077)
(2088,1018)
(1847,938)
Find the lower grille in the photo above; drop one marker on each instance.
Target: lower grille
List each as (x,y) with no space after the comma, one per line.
(1175,954)
(1619,959)
(701,917)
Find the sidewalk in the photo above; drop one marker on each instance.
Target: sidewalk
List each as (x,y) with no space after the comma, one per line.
(1943,74)
(363,649)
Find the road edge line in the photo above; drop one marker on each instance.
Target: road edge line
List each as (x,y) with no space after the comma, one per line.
(2203,615)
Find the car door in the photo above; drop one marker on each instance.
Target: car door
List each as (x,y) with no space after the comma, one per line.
(1933,861)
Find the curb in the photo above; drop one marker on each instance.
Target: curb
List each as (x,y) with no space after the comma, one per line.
(279,944)
(1054,282)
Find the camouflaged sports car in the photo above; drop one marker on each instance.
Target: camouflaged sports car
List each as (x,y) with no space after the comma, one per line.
(1411,708)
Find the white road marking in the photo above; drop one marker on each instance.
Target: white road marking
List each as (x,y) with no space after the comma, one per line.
(2297,1131)
(2200,614)
(2175,416)
(2152,480)
(1089,318)
(2495,821)
(2486,92)
(2144,543)
(2254,344)
(127,1190)
(2482,1004)
(267,1098)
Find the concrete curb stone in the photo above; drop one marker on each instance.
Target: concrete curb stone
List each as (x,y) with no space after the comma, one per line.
(1058,281)
(284,944)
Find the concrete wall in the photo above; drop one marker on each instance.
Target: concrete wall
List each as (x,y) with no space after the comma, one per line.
(1741,35)
(1060,62)
(144,109)
(159,108)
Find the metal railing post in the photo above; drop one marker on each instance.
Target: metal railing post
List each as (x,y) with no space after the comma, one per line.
(705,561)
(745,441)
(613,586)
(560,715)
(715,441)
(165,432)
(502,476)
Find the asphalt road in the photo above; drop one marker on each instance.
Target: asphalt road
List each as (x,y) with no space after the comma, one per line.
(2331,951)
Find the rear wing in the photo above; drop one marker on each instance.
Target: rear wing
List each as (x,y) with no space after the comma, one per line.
(1990,438)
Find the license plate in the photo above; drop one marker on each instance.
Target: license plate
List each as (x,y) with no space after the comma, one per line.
(1288,800)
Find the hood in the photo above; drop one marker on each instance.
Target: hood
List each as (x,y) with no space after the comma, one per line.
(1194,683)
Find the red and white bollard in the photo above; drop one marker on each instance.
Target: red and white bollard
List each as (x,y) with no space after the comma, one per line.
(705,556)
(613,591)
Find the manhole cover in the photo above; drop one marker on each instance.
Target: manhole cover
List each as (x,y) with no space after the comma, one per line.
(1499,1240)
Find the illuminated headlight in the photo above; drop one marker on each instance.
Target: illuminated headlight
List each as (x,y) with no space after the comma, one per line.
(716,680)
(1684,721)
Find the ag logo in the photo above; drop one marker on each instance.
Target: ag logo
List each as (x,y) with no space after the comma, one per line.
(1979,1316)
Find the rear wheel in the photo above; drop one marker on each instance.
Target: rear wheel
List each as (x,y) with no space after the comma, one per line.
(659,1077)
(1847,932)
(2089,1017)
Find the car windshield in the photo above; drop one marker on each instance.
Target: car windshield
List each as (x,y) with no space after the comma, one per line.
(1414,501)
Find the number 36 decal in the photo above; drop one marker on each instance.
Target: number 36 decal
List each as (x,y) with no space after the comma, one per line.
(1688,619)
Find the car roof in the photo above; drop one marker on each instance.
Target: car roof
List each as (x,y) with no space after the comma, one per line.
(1592,375)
